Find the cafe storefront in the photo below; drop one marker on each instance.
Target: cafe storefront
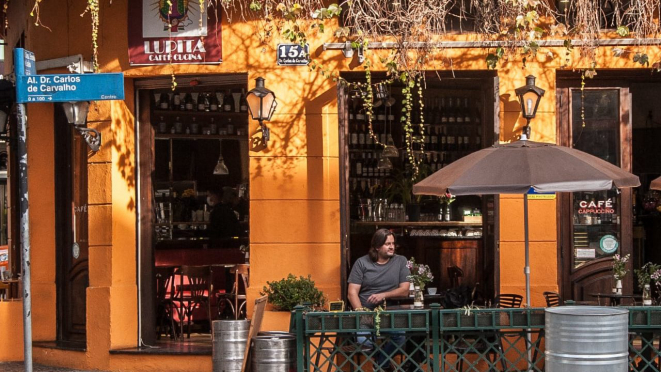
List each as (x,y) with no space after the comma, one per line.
(305,192)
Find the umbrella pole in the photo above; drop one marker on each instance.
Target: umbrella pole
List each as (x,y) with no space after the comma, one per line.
(526,269)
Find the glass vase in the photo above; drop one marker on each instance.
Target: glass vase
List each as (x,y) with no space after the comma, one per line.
(418,297)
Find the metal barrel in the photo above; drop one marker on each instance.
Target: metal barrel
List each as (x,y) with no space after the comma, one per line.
(229,344)
(586,338)
(274,352)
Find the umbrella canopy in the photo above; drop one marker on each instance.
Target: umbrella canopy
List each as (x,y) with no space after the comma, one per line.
(516,167)
(656,184)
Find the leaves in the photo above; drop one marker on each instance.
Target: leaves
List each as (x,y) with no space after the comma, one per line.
(255,6)
(617,52)
(623,31)
(590,73)
(641,58)
(289,292)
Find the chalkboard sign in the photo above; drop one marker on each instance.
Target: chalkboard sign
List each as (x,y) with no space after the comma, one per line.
(336,306)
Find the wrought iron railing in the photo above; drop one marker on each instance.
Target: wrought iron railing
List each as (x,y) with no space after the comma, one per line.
(446,340)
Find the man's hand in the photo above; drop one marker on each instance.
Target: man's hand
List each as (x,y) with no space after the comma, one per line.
(377,298)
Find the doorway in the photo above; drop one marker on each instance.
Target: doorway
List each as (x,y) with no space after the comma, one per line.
(635,220)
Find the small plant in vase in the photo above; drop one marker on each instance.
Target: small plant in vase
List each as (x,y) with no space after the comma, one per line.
(420,275)
(645,275)
(619,271)
(446,200)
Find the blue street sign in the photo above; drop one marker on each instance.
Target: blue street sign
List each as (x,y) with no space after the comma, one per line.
(69,87)
(31,87)
(25,63)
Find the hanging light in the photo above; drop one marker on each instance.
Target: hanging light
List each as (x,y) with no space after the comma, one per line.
(390,151)
(221,168)
(384,163)
(529,97)
(261,104)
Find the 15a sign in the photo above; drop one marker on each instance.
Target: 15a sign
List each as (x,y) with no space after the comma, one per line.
(293,55)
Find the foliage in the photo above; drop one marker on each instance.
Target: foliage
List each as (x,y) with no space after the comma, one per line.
(402,185)
(619,266)
(420,273)
(447,198)
(648,272)
(289,292)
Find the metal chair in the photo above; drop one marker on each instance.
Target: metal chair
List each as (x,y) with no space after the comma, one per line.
(237,296)
(164,292)
(192,291)
(507,301)
(553,299)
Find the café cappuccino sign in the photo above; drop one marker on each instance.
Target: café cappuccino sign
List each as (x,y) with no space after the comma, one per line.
(596,206)
(163,32)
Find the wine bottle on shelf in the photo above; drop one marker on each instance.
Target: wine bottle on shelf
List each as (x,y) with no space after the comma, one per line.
(164,101)
(359,165)
(176,101)
(459,112)
(467,145)
(434,140)
(213,102)
(361,136)
(444,112)
(467,111)
(444,138)
(188,102)
(450,113)
(182,102)
(228,101)
(236,96)
(460,136)
(452,139)
(243,107)
(200,102)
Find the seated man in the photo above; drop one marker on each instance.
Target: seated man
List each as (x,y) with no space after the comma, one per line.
(375,277)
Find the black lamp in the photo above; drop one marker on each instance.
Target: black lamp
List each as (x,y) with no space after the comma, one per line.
(529,97)
(76,113)
(261,103)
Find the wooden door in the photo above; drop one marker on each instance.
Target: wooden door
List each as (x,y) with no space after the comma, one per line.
(594,226)
(71,211)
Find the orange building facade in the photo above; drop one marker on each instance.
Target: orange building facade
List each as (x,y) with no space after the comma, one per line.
(295,209)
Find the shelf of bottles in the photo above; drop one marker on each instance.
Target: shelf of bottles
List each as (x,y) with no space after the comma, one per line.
(452,129)
(201,114)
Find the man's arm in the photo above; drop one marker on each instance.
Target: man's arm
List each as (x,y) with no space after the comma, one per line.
(354,299)
(401,291)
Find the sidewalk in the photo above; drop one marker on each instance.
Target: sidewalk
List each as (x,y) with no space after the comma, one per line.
(18,367)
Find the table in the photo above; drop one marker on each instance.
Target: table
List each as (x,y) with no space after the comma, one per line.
(615,298)
(404,300)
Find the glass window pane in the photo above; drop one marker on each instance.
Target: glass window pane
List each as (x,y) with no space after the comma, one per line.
(596,214)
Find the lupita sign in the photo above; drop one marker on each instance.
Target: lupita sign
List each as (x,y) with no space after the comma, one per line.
(160,34)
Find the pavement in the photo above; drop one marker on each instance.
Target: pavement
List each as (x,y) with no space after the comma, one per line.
(19,367)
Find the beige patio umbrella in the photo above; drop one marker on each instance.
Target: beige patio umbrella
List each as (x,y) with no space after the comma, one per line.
(518,167)
(656,184)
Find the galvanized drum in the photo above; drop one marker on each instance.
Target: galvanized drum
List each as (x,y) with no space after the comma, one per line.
(274,353)
(229,344)
(586,338)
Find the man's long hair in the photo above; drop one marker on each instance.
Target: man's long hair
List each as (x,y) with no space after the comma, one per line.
(378,240)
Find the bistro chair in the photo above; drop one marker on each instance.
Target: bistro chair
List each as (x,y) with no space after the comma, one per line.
(507,301)
(164,305)
(192,292)
(553,299)
(237,296)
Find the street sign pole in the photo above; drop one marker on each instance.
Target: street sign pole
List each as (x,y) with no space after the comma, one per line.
(31,87)
(25,236)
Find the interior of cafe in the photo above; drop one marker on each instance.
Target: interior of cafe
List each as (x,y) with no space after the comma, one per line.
(196,248)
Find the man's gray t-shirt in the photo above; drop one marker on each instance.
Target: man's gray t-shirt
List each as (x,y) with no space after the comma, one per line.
(377,278)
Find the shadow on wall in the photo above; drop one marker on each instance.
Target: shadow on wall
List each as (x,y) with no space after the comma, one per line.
(123,135)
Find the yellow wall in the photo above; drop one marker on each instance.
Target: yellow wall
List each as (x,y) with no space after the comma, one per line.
(294,185)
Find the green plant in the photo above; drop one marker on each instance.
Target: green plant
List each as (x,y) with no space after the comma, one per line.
(644,274)
(289,292)
(401,187)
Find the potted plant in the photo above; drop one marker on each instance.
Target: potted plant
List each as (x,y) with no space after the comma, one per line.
(402,189)
(619,271)
(287,293)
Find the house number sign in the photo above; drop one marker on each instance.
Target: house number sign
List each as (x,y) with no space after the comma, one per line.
(293,55)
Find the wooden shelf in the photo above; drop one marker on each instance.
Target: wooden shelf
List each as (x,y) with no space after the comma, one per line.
(164,136)
(418,224)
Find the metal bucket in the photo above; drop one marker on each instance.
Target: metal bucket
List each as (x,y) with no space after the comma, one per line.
(586,338)
(275,352)
(229,344)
